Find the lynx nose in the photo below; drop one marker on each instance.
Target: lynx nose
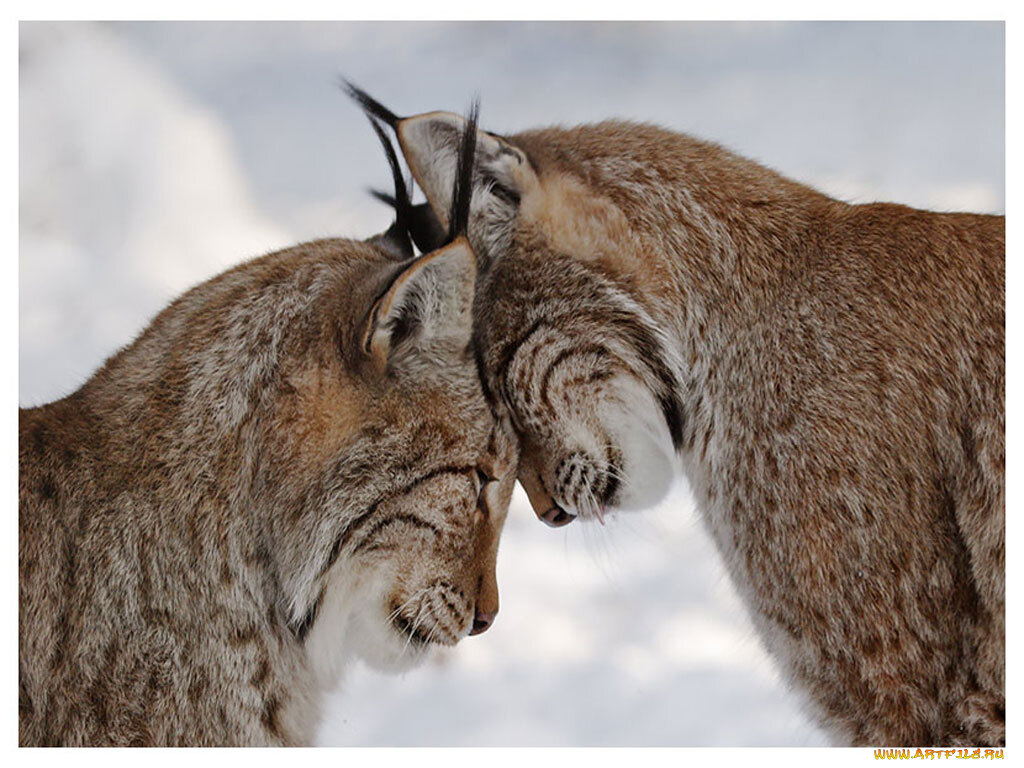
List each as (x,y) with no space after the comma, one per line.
(556,517)
(482,621)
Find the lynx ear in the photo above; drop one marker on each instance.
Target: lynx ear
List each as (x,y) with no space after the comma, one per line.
(503,174)
(428,308)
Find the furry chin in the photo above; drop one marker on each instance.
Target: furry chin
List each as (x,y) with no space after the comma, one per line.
(396,654)
(383,646)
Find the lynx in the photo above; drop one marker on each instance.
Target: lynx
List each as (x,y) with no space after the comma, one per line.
(828,377)
(294,464)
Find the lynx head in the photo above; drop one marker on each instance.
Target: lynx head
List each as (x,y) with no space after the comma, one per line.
(331,401)
(400,437)
(562,340)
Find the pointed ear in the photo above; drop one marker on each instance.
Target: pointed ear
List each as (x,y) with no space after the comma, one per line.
(503,175)
(428,308)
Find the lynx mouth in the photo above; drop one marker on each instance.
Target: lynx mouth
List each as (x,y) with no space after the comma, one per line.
(408,629)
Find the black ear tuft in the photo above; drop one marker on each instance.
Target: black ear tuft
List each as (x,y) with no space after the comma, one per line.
(384,197)
(370,105)
(398,233)
(458,218)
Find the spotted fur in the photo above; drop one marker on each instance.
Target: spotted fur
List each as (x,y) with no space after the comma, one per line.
(828,377)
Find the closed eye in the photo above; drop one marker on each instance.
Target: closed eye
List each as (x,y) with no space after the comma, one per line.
(483,480)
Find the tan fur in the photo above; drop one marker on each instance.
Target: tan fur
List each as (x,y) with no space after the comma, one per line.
(573,220)
(829,377)
(241,500)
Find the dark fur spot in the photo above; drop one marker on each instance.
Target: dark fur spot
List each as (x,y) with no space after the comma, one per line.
(48,490)
(156,684)
(72,539)
(968,442)
(39,441)
(273,617)
(271,717)
(872,645)
(451,606)
(262,672)
(243,635)
(197,688)
(945,500)
(25,705)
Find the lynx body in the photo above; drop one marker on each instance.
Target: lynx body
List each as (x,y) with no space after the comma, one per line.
(828,377)
(293,465)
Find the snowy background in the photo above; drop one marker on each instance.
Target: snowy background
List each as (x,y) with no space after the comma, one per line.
(153,155)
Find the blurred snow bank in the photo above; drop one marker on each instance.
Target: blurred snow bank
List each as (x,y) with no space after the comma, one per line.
(109,146)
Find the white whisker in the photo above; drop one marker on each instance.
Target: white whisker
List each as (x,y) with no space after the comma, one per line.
(416,594)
